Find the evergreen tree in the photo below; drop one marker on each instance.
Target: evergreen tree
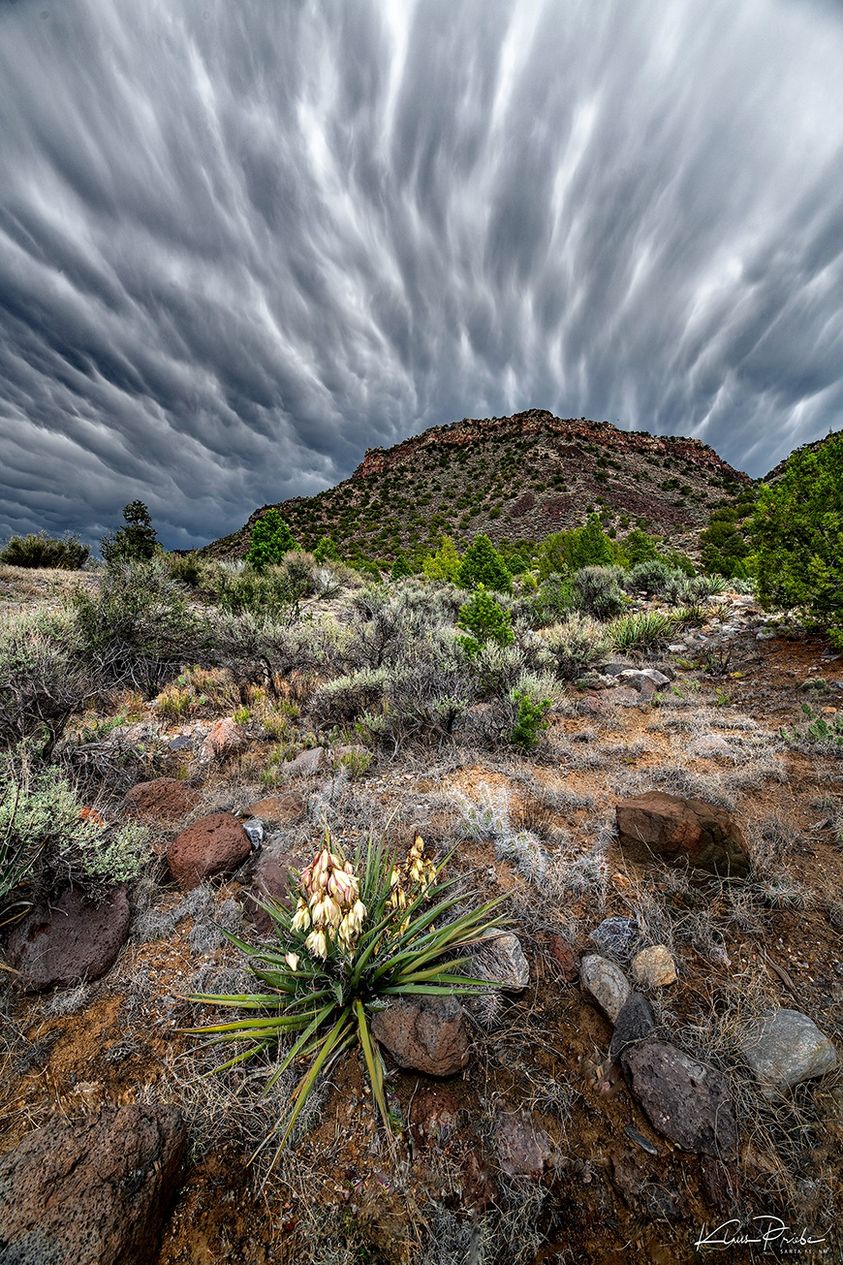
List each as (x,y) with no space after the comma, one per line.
(271,538)
(401,567)
(135,541)
(444,564)
(482,564)
(326,551)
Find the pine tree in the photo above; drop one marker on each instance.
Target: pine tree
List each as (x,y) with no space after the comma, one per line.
(482,564)
(135,541)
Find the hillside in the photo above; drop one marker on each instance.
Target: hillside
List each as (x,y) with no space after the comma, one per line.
(516,478)
(777,471)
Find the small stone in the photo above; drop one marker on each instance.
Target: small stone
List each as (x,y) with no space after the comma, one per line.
(305,764)
(429,1035)
(500,959)
(216,844)
(606,983)
(278,810)
(685,1100)
(255,830)
(162,799)
(785,1048)
(70,940)
(562,952)
(654,967)
(614,935)
(635,1022)
(523,1148)
(225,738)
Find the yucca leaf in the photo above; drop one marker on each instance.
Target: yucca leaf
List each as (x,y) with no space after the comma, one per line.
(374,1062)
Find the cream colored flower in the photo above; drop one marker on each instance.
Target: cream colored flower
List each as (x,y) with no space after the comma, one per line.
(292,960)
(317,944)
(301,918)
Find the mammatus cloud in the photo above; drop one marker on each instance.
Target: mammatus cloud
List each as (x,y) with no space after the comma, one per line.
(240,242)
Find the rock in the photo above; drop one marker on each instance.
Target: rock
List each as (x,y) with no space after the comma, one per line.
(562,952)
(685,1100)
(74,939)
(676,828)
(654,967)
(500,959)
(272,879)
(305,764)
(163,799)
(429,1035)
(255,830)
(225,738)
(278,810)
(635,1022)
(786,1047)
(712,747)
(523,1148)
(606,983)
(216,844)
(623,696)
(614,935)
(93,1191)
(645,681)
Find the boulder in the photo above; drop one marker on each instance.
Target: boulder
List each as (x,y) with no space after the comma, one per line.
(786,1047)
(93,1191)
(225,738)
(71,940)
(645,681)
(500,959)
(635,1022)
(654,967)
(685,1100)
(429,1035)
(162,799)
(216,844)
(305,764)
(605,982)
(278,810)
(680,829)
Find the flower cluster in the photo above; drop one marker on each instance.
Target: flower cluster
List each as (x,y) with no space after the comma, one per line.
(412,878)
(330,908)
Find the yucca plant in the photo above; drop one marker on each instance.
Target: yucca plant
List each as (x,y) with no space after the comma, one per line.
(643,631)
(345,944)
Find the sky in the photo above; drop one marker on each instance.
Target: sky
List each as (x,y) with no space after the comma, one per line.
(241,242)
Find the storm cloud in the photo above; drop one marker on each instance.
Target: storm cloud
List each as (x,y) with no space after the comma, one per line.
(241,242)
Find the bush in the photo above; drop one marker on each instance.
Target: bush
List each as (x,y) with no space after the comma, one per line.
(797,535)
(43,820)
(44,677)
(484,620)
(530,717)
(598,593)
(271,538)
(643,631)
(482,564)
(40,550)
(639,547)
(652,577)
(135,541)
(554,600)
(384,928)
(575,645)
(724,546)
(271,593)
(444,564)
(585,546)
(187,568)
(400,567)
(326,551)
(138,629)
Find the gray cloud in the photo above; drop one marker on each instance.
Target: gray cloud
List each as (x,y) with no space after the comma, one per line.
(241,242)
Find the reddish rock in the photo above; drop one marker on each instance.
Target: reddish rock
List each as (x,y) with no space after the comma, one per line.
(429,1035)
(163,799)
(71,940)
(225,738)
(272,881)
(278,810)
(91,1191)
(216,844)
(564,956)
(523,1147)
(679,829)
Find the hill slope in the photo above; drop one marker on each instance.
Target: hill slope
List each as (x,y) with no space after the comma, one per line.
(516,478)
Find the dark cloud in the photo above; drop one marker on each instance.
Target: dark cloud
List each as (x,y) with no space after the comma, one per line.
(239,243)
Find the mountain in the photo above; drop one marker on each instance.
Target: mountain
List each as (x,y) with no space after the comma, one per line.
(516,478)
(777,471)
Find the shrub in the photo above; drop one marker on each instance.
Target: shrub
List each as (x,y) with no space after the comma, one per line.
(326,551)
(347,697)
(41,550)
(138,629)
(724,547)
(823,732)
(651,577)
(484,619)
(598,593)
(196,690)
(400,567)
(271,593)
(42,819)
(530,717)
(270,539)
(444,564)
(554,600)
(643,631)
(353,936)
(797,534)
(44,677)
(639,547)
(187,569)
(575,645)
(482,564)
(135,541)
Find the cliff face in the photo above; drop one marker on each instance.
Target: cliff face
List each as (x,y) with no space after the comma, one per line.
(534,422)
(515,478)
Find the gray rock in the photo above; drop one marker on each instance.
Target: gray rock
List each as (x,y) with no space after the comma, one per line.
(615,935)
(500,959)
(255,830)
(645,681)
(305,764)
(685,1100)
(785,1048)
(523,1148)
(605,982)
(636,1022)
